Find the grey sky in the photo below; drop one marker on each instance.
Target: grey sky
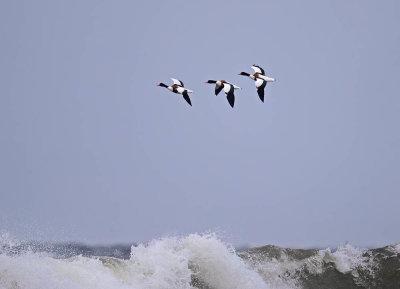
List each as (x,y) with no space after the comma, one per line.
(93,150)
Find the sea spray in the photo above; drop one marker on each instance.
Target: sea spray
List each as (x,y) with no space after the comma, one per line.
(189,262)
(193,261)
(176,262)
(345,267)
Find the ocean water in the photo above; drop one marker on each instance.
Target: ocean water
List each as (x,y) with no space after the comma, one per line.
(194,261)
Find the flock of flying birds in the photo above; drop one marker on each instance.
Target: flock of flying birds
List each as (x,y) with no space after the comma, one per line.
(258,76)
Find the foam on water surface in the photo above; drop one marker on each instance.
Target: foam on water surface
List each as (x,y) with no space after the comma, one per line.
(194,261)
(163,263)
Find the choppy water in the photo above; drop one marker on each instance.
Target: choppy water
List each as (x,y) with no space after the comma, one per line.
(194,261)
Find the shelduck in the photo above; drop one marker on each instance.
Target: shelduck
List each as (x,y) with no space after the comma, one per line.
(178,88)
(228,87)
(260,79)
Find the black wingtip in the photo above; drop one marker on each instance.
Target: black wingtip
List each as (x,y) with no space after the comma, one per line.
(186,97)
(231,99)
(261,94)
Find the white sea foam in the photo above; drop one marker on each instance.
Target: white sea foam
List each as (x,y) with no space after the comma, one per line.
(286,272)
(347,258)
(178,263)
(162,264)
(396,248)
(275,271)
(7,241)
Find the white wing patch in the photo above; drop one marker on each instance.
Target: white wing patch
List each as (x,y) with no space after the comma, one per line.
(256,69)
(178,82)
(180,90)
(227,87)
(259,82)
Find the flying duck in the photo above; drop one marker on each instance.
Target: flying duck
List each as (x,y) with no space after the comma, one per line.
(178,87)
(260,79)
(228,89)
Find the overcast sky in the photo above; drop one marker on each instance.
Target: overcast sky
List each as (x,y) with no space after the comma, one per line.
(92,150)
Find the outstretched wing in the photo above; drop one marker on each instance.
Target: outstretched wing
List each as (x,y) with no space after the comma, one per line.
(177,82)
(258,69)
(186,97)
(260,84)
(218,88)
(229,89)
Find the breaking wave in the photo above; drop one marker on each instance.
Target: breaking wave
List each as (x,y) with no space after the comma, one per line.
(194,261)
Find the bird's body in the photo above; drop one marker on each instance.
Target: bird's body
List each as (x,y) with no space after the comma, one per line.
(228,88)
(178,88)
(260,79)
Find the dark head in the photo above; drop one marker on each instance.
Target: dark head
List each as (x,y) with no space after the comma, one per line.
(211,81)
(244,74)
(162,85)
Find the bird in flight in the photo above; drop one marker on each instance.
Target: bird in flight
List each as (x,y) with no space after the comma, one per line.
(228,88)
(260,79)
(178,88)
